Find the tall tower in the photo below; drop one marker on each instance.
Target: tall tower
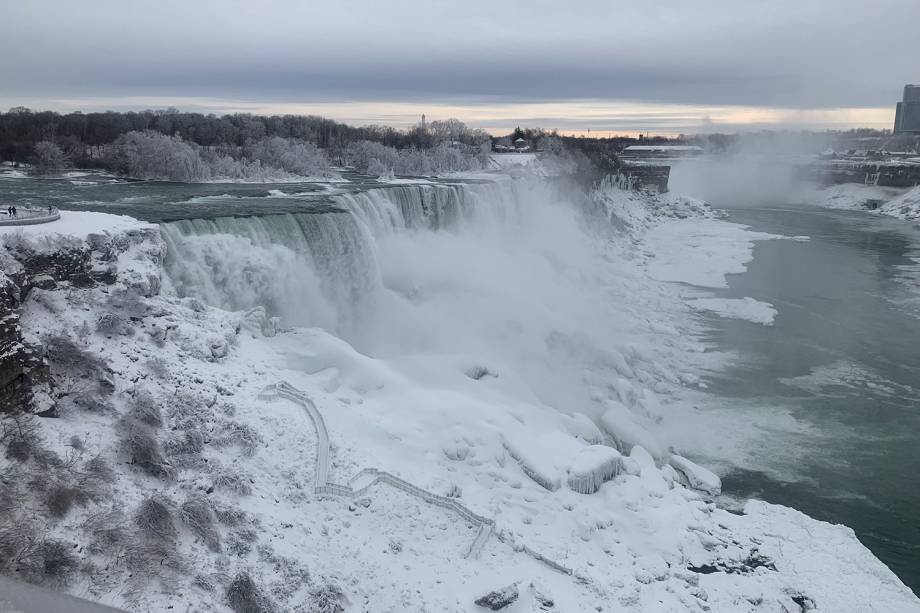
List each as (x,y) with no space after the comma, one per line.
(907,115)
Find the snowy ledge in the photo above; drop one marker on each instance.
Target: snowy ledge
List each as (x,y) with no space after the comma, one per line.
(78,224)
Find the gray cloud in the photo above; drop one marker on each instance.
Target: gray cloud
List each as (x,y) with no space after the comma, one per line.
(797,54)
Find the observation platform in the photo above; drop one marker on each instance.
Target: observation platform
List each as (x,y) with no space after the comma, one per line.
(29,216)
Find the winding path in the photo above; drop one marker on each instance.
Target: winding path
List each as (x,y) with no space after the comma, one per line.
(369,477)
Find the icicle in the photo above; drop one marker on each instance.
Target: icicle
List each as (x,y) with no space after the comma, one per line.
(592,466)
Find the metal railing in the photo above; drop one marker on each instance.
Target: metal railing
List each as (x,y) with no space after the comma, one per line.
(27,216)
(486,525)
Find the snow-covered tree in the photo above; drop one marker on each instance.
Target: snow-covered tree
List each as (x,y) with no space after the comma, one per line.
(374,158)
(48,157)
(151,155)
(294,156)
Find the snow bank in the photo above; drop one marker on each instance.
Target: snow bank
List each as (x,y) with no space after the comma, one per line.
(580,425)
(848,196)
(698,477)
(621,424)
(504,161)
(593,466)
(905,207)
(745,308)
(543,457)
(635,211)
(898,202)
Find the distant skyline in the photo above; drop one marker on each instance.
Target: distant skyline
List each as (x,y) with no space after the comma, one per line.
(608,66)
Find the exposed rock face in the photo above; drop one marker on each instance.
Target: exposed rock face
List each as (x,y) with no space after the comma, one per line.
(13,384)
(45,263)
(499,599)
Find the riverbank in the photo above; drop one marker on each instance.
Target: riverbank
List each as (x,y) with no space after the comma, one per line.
(902,203)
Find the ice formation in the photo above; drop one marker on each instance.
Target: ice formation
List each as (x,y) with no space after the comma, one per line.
(698,477)
(592,467)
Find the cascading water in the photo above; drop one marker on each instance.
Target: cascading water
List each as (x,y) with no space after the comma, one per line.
(503,276)
(316,269)
(309,269)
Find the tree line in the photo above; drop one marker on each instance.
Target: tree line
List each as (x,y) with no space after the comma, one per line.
(84,137)
(177,146)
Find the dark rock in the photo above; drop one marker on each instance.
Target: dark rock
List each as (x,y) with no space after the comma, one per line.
(75,263)
(499,599)
(752,562)
(542,597)
(478,372)
(805,603)
(44,282)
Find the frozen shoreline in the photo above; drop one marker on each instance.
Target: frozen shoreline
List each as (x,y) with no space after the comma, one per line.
(902,203)
(635,541)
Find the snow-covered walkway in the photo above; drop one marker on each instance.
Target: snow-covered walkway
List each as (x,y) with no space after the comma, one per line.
(367,478)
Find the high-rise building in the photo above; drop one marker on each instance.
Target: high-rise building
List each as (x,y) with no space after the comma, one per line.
(907,115)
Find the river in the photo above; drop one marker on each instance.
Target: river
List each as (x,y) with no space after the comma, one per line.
(843,360)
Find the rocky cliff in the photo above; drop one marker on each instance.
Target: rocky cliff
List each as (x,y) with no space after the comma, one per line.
(42,261)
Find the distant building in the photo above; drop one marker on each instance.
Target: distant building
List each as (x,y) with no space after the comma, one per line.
(521,143)
(907,115)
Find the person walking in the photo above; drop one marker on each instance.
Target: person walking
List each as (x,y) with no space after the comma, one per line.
(14,211)
(9,210)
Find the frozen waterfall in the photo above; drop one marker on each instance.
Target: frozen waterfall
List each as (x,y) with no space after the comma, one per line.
(515,277)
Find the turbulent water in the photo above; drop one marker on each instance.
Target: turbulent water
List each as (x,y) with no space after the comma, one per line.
(317,269)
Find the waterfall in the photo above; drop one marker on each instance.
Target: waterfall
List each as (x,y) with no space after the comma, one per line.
(317,269)
(518,278)
(527,281)
(432,207)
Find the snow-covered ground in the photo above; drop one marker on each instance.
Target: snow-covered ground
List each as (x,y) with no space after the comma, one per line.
(504,161)
(474,425)
(903,203)
(906,206)
(848,196)
(73,224)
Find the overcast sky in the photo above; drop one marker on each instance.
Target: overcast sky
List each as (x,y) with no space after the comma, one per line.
(607,65)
